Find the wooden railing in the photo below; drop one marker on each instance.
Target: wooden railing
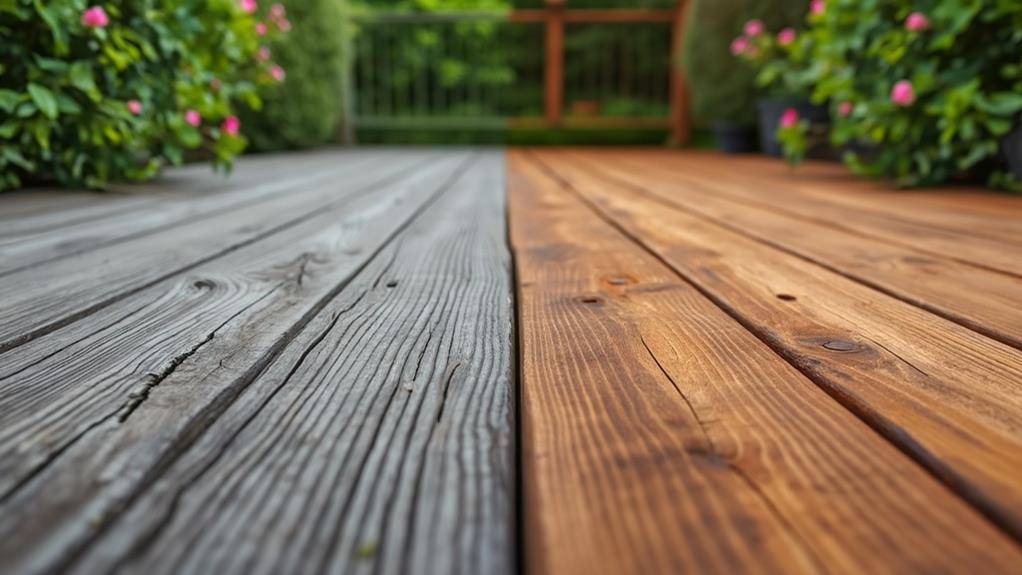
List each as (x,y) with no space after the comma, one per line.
(434,107)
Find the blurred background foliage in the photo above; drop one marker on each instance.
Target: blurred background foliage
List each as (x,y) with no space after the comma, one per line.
(485,70)
(307,108)
(722,88)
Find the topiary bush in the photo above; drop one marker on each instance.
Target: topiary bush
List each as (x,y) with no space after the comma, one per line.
(306,109)
(928,88)
(722,88)
(116,90)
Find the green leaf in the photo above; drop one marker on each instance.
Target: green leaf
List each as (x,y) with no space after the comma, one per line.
(14,156)
(81,77)
(44,99)
(41,131)
(67,105)
(1003,104)
(8,130)
(9,99)
(51,64)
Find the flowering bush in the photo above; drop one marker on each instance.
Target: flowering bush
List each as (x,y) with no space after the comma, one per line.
(928,88)
(781,58)
(115,90)
(723,89)
(306,110)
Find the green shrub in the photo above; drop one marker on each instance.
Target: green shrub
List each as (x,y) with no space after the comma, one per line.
(306,109)
(723,88)
(116,90)
(928,87)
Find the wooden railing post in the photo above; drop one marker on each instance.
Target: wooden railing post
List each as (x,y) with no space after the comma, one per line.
(554,61)
(680,126)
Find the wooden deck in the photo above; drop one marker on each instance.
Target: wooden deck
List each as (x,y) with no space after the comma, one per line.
(466,361)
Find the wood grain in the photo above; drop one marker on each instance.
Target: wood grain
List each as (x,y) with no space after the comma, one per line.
(146,213)
(803,197)
(950,398)
(39,300)
(982,300)
(659,436)
(380,440)
(79,448)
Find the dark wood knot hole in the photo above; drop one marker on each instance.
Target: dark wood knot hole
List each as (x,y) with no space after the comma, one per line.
(786,297)
(589,299)
(392,284)
(203,284)
(840,345)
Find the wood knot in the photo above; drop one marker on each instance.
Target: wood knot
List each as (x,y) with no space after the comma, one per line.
(589,299)
(786,297)
(203,284)
(392,284)
(619,280)
(841,345)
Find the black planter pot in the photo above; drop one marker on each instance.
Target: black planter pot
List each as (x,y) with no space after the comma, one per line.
(1012,147)
(734,138)
(770,111)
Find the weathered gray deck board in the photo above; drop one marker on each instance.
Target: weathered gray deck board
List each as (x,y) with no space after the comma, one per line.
(60,234)
(94,415)
(39,300)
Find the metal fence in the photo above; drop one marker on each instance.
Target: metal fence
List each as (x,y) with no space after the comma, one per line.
(548,67)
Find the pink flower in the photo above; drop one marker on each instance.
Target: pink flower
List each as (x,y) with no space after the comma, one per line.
(753,28)
(845,108)
(278,73)
(95,17)
(817,7)
(786,36)
(248,6)
(282,24)
(193,118)
(231,126)
(261,28)
(740,45)
(277,11)
(903,94)
(135,107)
(917,22)
(789,118)
(264,54)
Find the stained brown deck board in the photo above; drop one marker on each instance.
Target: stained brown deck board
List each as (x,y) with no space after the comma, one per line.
(983,300)
(902,227)
(726,366)
(661,436)
(944,394)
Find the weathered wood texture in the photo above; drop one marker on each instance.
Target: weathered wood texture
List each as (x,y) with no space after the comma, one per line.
(948,396)
(309,368)
(659,434)
(75,287)
(358,363)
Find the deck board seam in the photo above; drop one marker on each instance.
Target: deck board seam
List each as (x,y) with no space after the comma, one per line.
(886,429)
(271,355)
(269,197)
(894,293)
(862,233)
(40,331)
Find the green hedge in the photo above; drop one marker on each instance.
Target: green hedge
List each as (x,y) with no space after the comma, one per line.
(93,92)
(307,108)
(927,89)
(722,87)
